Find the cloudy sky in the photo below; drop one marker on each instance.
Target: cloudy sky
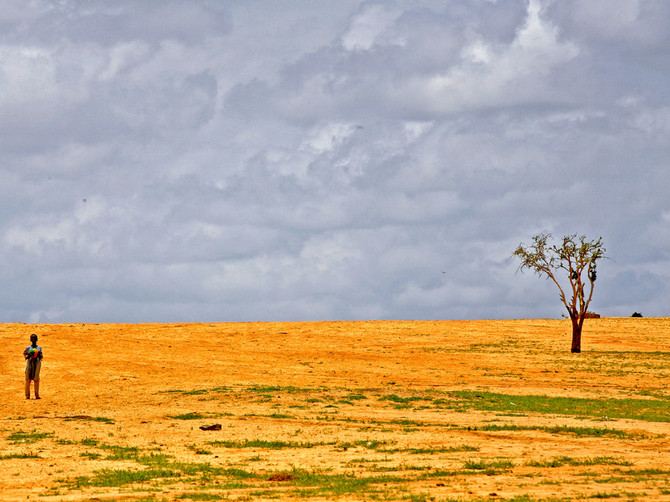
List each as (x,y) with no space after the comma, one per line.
(262,160)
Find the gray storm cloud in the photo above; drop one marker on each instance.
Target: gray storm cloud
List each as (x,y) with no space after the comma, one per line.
(232,161)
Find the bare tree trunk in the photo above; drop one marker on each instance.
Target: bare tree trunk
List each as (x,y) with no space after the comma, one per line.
(576,334)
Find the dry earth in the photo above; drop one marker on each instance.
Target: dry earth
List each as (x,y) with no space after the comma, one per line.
(387,410)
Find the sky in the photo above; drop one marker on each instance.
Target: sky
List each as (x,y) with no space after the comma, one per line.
(307,160)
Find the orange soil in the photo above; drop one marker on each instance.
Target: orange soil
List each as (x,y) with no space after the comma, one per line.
(138,375)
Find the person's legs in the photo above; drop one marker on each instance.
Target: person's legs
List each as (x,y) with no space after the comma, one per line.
(36,378)
(27,389)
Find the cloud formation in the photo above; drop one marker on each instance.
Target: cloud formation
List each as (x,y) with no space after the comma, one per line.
(233,161)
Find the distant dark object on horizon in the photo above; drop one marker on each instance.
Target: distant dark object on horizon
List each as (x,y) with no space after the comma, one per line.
(636,314)
(591,315)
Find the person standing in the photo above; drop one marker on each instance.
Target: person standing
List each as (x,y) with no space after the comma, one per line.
(33,355)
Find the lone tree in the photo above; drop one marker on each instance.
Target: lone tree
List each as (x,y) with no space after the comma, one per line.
(576,258)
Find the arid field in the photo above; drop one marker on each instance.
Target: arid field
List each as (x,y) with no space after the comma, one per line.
(384,410)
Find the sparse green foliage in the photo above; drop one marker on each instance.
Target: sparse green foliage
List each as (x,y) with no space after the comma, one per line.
(27,437)
(652,410)
(188,416)
(195,416)
(576,258)
(19,455)
(200,496)
(563,460)
(198,450)
(492,466)
(259,443)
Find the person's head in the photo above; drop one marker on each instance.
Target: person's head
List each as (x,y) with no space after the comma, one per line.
(33,338)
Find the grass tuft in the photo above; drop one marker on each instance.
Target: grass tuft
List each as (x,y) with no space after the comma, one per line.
(638,409)
(494,465)
(260,443)
(189,416)
(27,437)
(561,461)
(560,429)
(19,455)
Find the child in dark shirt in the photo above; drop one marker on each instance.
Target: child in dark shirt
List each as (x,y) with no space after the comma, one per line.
(33,355)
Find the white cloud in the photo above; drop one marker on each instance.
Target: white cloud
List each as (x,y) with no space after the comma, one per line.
(368,25)
(632,23)
(328,255)
(27,74)
(326,138)
(487,77)
(33,240)
(212,161)
(125,56)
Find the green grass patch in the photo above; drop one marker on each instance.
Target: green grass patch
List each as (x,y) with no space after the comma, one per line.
(120,452)
(133,453)
(332,485)
(198,450)
(412,423)
(400,468)
(355,397)
(194,416)
(368,444)
(158,467)
(493,465)
(260,443)
(200,496)
(86,418)
(420,451)
(560,429)
(562,460)
(403,400)
(278,415)
(194,392)
(19,455)
(120,477)
(641,473)
(188,416)
(103,420)
(265,389)
(651,410)
(19,437)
